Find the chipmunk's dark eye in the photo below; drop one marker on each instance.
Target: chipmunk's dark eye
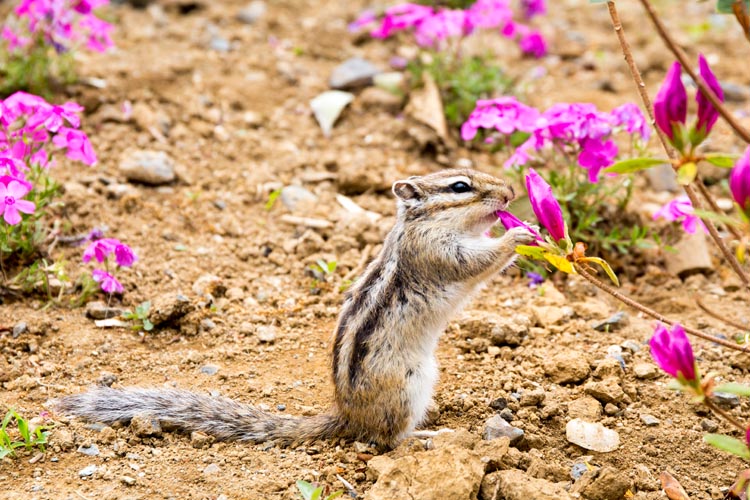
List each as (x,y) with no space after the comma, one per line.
(460,187)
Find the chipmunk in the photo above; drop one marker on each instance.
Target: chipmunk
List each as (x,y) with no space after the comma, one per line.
(384,366)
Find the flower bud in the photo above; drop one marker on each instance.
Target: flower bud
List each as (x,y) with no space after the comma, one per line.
(670,104)
(673,353)
(545,206)
(707,114)
(739,181)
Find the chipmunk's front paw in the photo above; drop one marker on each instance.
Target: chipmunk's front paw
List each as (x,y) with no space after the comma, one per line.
(523,236)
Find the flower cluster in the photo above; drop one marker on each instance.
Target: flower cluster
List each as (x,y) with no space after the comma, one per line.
(100,251)
(681,210)
(577,128)
(739,182)
(62,24)
(30,128)
(432,27)
(670,107)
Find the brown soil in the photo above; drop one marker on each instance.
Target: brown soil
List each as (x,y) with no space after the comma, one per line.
(238,125)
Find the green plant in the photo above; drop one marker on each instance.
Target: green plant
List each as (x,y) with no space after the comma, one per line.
(140,317)
(28,438)
(312,492)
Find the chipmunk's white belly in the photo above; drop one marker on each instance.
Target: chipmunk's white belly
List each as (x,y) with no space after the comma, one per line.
(421,386)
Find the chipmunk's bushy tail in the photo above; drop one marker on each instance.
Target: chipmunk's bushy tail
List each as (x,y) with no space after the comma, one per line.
(220,417)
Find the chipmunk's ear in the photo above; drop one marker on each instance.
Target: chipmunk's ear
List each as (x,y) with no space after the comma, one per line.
(407,191)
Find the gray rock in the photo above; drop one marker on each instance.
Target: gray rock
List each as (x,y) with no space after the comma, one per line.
(649,420)
(506,414)
(87,471)
(19,328)
(496,427)
(709,425)
(726,400)
(353,73)
(220,44)
(734,92)
(577,470)
(294,197)
(148,167)
(100,310)
(690,256)
(209,369)
(91,450)
(614,322)
(252,12)
(207,324)
(631,346)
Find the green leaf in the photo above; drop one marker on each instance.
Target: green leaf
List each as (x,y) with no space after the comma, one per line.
(733,388)
(724,219)
(335,494)
(633,165)
(147,325)
(605,266)
(536,253)
(728,444)
(721,160)
(271,200)
(560,263)
(725,6)
(686,173)
(306,489)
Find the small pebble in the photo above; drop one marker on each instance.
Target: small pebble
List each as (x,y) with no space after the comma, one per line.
(631,346)
(496,427)
(211,469)
(266,333)
(645,371)
(281,407)
(578,470)
(592,436)
(611,409)
(252,12)
(19,329)
(727,400)
(209,369)
(499,404)
(91,450)
(87,471)
(649,420)
(614,322)
(127,480)
(507,415)
(709,425)
(207,324)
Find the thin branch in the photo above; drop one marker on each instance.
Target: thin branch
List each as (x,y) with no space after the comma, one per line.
(718,316)
(714,206)
(699,81)
(650,312)
(724,414)
(671,153)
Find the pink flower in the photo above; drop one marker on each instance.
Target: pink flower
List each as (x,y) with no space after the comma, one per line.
(11,202)
(630,117)
(100,249)
(673,353)
(595,155)
(533,8)
(12,166)
(54,117)
(99,39)
(106,281)
(77,143)
(124,255)
(489,14)
(707,114)
(14,41)
(533,44)
(545,206)
(504,114)
(366,18)
(401,17)
(739,181)
(680,209)
(670,103)
(508,220)
(447,23)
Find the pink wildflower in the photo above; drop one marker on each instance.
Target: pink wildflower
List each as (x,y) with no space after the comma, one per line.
(124,255)
(595,155)
(447,23)
(77,143)
(673,353)
(504,114)
(630,117)
(681,210)
(707,114)
(533,44)
(106,281)
(489,14)
(533,8)
(100,249)
(11,202)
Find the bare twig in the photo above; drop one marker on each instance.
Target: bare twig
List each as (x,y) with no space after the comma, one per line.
(650,312)
(724,414)
(718,316)
(699,81)
(671,153)
(714,206)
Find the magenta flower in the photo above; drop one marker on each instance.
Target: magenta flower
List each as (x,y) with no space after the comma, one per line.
(447,23)
(670,104)
(630,117)
(77,143)
(533,8)
(100,249)
(401,17)
(106,281)
(366,18)
(707,114)
(533,44)
(14,41)
(739,181)
(509,221)
(681,210)
(545,206)
(595,155)
(11,202)
(504,114)
(673,353)
(489,14)
(124,255)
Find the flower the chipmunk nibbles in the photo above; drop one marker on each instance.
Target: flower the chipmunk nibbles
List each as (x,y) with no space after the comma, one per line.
(384,368)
